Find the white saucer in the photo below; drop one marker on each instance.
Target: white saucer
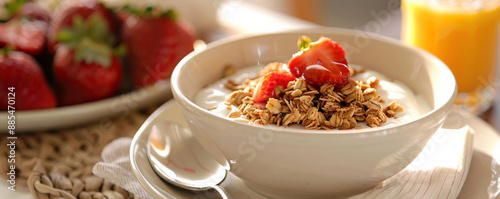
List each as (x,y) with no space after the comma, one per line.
(481,182)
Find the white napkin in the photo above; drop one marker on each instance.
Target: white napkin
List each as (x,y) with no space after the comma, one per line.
(438,172)
(116,168)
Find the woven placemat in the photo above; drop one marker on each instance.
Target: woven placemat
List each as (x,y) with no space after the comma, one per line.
(58,164)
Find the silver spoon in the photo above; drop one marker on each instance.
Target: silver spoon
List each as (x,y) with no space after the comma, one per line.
(179,158)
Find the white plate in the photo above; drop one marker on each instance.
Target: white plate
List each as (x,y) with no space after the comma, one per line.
(104,110)
(481,182)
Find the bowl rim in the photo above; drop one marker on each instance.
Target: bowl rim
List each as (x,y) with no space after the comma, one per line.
(365,132)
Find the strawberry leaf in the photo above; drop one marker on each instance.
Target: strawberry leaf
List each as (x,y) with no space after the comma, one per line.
(151,12)
(120,50)
(98,30)
(94,27)
(149,9)
(79,23)
(304,43)
(69,37)
(169,14)
(131,10)
(89,51)
(12,7)
(90,38)
(6,50)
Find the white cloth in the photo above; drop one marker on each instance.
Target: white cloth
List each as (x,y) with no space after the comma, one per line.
(116,168)
(438,172)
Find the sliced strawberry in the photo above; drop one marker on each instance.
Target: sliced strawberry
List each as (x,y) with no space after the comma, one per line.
(266,87)
(20,71)
(320,62)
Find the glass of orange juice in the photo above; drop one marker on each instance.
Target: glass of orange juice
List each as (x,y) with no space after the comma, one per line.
(464,35)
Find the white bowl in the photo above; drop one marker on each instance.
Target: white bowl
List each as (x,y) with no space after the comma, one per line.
(296,163)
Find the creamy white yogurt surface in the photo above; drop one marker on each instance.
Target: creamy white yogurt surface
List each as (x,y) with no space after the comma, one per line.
(414,105)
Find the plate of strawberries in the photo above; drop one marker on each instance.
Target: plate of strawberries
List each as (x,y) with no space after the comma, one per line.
(83,62)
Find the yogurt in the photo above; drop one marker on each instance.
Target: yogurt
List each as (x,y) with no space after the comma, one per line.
(214,96)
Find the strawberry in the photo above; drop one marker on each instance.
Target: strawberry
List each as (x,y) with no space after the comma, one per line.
(33,11)
(27,29)
(10,8)
(79,82)
(85,68)
(266,86)
(24,35)
(20,71)
(63,17)
(320,62)
(155,44)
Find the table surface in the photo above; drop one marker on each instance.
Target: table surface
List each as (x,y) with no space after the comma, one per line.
(492,116)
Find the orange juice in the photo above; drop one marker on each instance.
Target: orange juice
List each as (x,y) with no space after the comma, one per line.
(462,33)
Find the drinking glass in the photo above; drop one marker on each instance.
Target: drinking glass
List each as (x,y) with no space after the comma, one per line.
(464,35)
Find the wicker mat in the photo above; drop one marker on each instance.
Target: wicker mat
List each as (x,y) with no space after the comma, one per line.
(58,164)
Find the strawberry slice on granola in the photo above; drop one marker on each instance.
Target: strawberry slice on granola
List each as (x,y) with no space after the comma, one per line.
(320,62)
(267,85)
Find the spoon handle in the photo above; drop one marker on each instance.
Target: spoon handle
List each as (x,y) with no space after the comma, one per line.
(223,193)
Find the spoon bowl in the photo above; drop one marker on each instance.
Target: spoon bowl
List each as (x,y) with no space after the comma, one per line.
(178,158)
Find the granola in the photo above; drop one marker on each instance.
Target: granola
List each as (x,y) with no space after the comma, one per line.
(324,108)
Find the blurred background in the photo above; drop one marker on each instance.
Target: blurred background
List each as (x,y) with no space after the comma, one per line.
(379,16)
(357,14)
